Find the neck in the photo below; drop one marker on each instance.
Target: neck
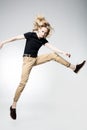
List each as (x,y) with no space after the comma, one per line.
(37,34)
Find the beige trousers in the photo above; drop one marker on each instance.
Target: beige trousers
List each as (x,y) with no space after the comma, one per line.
(29,62)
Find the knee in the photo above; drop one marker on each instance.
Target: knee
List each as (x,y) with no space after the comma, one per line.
(54,55)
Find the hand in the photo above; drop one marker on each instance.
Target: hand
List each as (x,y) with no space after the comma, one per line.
(67,54)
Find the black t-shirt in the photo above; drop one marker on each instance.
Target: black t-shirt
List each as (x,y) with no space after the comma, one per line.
(33,43)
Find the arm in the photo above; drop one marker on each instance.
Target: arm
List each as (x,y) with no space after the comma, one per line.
(19,37)
(51,47)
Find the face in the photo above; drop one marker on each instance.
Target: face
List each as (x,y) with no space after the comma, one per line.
(42,32)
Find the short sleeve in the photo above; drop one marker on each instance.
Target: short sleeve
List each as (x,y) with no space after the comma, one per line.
(27,35)
(44,41)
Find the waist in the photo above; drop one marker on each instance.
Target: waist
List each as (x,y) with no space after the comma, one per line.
(29,55)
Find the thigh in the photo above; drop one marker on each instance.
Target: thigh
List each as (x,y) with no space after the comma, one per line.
(28,63)
(44,58)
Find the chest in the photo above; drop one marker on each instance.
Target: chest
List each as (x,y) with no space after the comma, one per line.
(34,43)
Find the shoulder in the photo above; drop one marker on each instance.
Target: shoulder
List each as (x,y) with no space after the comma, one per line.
(29,34)
(44,40)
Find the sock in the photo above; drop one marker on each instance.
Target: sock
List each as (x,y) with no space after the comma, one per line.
(14,105)
(73,67)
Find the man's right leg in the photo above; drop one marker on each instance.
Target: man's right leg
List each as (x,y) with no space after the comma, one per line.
(28,63)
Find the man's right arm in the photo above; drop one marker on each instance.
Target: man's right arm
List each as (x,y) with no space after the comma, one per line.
(19,37)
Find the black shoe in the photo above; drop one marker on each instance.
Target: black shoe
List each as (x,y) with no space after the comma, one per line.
(13,113)
(79,66)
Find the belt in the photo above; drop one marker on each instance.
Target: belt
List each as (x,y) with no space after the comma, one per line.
(29,55)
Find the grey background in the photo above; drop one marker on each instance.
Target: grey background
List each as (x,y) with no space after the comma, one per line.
(55,98)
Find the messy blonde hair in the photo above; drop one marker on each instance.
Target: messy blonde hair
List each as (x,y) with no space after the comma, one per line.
(39,22)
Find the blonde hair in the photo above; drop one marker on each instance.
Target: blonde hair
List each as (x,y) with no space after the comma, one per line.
(39,22)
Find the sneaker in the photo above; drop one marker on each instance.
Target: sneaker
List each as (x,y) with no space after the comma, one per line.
(79,66)
(13,113)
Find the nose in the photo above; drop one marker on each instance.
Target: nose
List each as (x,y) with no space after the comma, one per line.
(43,34)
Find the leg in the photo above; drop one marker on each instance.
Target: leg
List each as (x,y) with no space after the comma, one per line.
(26,68)
(28,63)
(52,56)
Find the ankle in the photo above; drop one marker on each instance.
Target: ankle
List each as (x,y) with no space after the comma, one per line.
(73,67)
(14,105)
